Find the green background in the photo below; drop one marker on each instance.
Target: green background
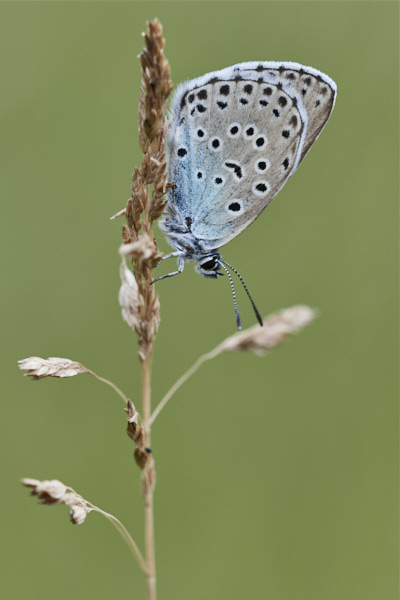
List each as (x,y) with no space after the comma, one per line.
(277,476)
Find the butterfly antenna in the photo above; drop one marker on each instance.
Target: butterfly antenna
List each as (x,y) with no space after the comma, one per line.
(238,321)
(259,319)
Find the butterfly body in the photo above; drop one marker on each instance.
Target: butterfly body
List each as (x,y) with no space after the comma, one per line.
(235,137)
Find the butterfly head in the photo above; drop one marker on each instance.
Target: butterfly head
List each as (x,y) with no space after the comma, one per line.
(209,265)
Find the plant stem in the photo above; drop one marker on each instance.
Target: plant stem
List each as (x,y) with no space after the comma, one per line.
(150,555)
(182,380)
(119,527)
(125,534)
(147,480)
(110,383)
(146,396)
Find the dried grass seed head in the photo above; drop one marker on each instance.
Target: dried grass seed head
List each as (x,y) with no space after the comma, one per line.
(128,297)
(156,87)
(142,250)
(78,514)
(134,429)
(38,368)
(276,328)
(49,491)
(52,492)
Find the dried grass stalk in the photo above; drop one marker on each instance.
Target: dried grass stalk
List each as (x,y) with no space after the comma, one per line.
(141,211)
(259,340)
(55,492)
(140,306)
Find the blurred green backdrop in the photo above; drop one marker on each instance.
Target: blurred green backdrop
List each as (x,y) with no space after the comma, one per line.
(276,476)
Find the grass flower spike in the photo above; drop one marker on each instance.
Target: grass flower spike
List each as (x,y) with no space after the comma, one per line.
(38,368)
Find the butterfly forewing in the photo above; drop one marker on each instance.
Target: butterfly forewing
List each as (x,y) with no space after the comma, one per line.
(236,137)
(316,90)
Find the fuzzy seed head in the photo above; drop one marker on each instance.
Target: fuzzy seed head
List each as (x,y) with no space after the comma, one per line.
(276,328)
(51,367)
(49,492)
(55,492)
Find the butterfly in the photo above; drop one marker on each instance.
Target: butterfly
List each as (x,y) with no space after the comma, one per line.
(235,137)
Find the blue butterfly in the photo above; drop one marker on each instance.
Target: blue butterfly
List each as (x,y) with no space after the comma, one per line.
(235,138)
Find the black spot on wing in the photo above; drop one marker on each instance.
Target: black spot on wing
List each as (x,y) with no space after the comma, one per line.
(237,169)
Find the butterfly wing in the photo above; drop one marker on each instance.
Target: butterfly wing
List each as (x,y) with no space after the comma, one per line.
(236,136)
(317,92)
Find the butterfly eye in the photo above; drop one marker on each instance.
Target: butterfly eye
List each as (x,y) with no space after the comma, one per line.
(209,265)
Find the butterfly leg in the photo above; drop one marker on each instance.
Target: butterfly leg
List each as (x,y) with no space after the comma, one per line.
(181,264)
(170,255)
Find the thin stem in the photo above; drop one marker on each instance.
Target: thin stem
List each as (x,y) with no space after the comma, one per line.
(148,487)
(150,554)
(127,537)
(119,527)
(146,396)
(182,380)
(110,383)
